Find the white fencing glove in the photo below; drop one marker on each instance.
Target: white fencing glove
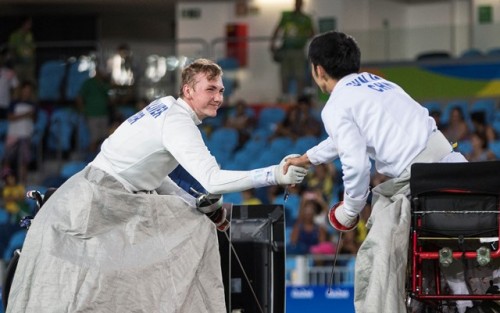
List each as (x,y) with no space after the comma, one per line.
(340,220)
(294,175)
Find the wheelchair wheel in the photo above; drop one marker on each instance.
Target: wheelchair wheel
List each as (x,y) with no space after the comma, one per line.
(11,269)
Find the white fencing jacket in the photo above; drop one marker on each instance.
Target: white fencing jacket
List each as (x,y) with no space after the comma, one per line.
(368,117)
(145,148)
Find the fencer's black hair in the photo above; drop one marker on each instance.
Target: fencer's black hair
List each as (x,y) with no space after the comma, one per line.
(336,52)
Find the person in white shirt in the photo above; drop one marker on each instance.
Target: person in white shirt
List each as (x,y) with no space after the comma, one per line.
(120,236)
(20,128)
(369,118)
(8,83)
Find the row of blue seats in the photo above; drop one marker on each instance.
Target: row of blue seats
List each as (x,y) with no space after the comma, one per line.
(486,105)
(61,79)
(58,130)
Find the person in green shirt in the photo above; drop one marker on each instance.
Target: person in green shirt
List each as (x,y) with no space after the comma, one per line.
(294,30)
(94,102)
(22,49)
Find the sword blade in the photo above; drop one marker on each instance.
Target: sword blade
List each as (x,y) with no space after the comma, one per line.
(339,241)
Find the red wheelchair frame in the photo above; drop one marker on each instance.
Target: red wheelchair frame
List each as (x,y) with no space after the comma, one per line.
(455,211)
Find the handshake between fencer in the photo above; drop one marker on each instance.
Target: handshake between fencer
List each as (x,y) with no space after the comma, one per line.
(294,174)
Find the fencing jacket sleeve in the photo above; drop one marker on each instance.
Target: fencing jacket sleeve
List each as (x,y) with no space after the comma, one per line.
(145,148)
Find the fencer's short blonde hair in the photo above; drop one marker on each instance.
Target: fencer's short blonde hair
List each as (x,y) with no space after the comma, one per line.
(211,69)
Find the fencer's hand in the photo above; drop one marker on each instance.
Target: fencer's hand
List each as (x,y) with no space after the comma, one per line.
(297,160)
(340,220)
(291,175)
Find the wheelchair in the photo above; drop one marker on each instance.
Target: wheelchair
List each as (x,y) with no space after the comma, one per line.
(455,223)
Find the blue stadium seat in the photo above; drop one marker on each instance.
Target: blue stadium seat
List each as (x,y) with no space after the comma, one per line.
(484,105)
(71,168)
(15,242)
(493,52)
(254,146)
(233,197)
(495,148)
(2,149)
(214,122)
(471,53)
(39,131)
(433,106)
(464,147)
(267,158)
(288,236)
(248,111)
(228,64)
(222,143)
(4,217)
(77,75)
(496,123)
(4,125)
(222,157)
(241,160)
(51,76)
(302,144)
(126,111)
(83,133)
(224,138)
(274,152)
(61,127)
(291,205)
(269,117)
(261,134)
(282,145)
(41,124)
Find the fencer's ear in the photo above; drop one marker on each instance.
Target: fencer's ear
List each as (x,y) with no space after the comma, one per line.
(320,71)
(186,90)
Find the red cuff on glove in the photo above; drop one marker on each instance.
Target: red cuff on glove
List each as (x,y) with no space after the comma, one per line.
(334,221)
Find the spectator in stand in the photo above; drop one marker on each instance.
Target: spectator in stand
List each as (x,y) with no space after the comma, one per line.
(296,28)
(310,124)
(315,194)
(322,178)
(348,244)
(457,129)
(480,151)
(21,124)
(298,122)
(290,126)
(436,115)
(8,84)
(478,120)
(306,233)
(14,197)
(240,119)
(22,50)
(93,101)
(249,197)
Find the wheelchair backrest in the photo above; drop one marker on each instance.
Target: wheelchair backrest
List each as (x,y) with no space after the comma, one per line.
(457,199)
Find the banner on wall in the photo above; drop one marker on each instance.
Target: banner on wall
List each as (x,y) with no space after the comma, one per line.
(317,299)
(444,80)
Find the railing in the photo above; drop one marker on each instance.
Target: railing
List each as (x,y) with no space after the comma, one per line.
(316,270)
